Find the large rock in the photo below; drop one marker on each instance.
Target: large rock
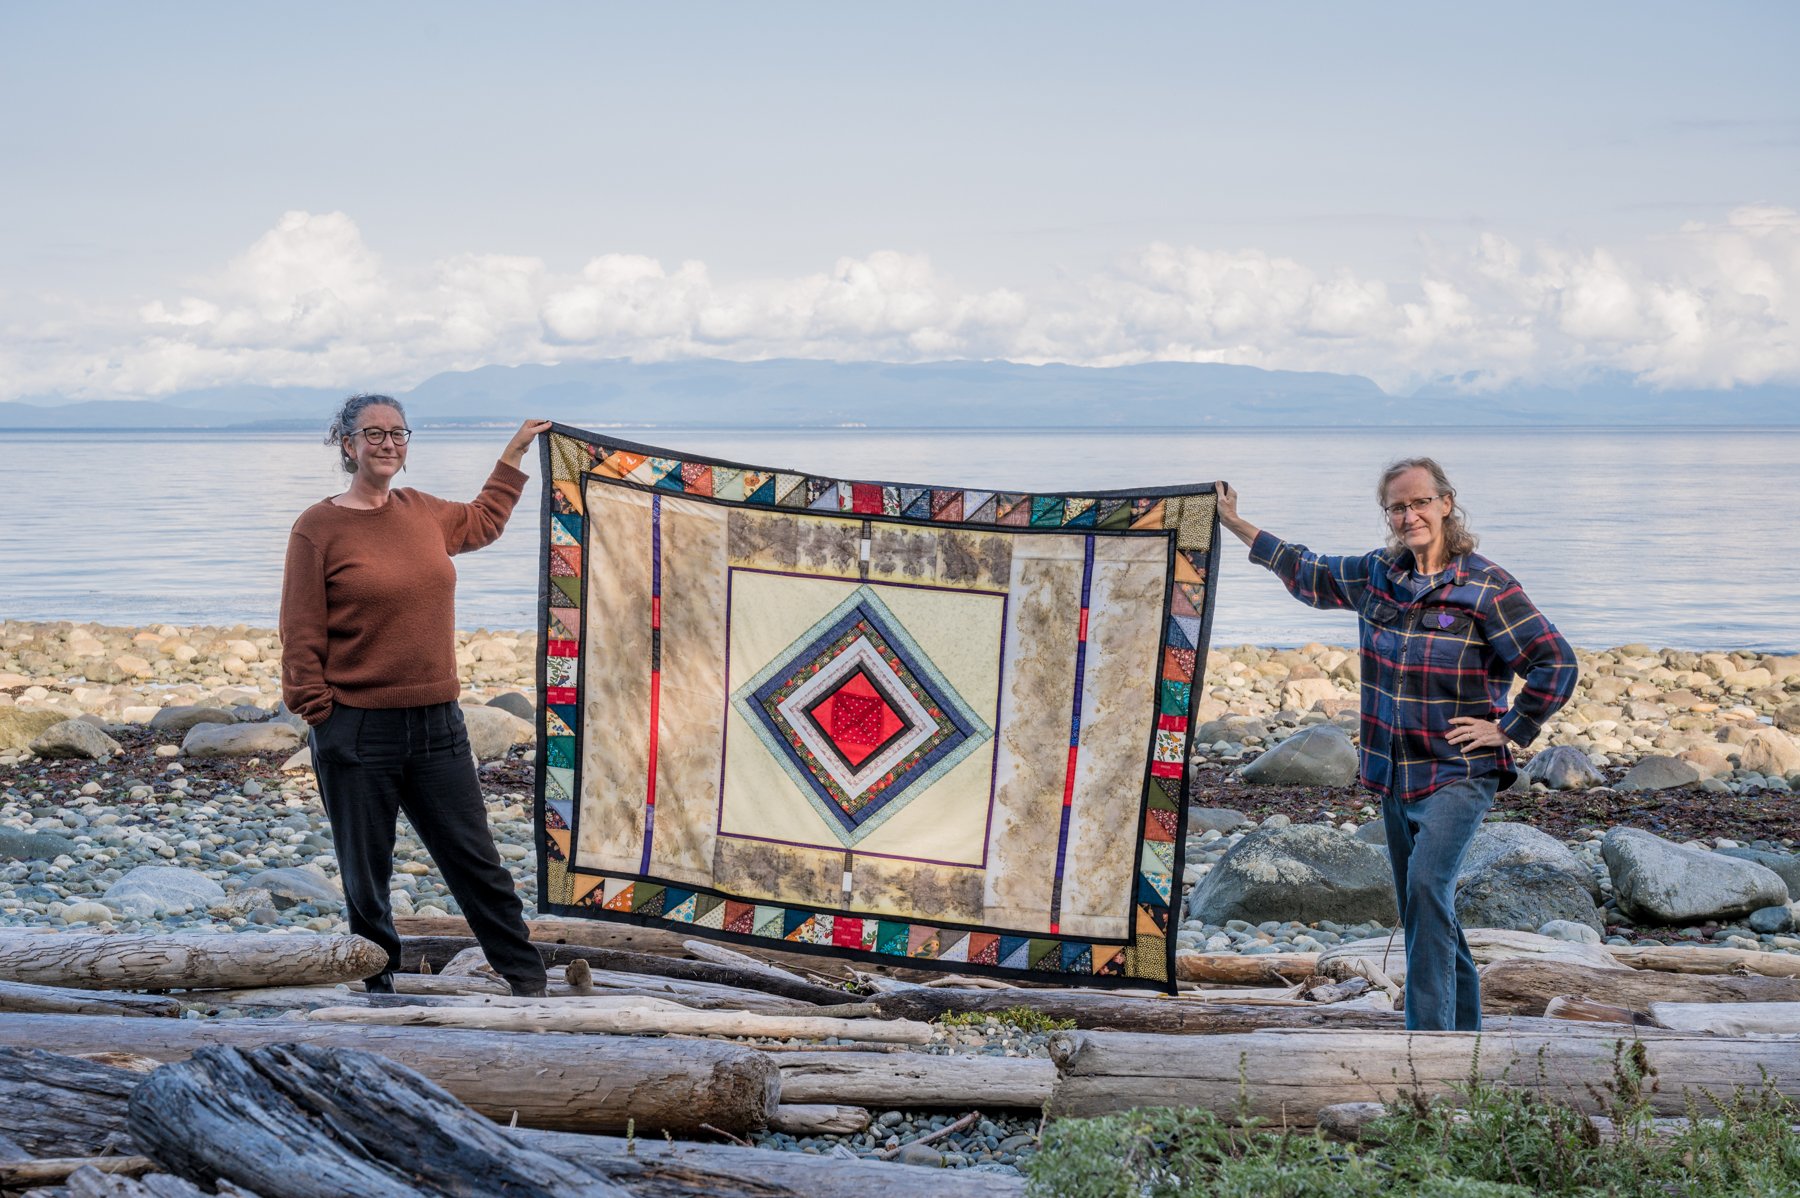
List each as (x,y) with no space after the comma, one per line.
(1660,773)
(75,739)
(1514,876)
(493,731)
(19,726)
(19,845)
(1524,896)
(152,888)
(516,704)
(1299,694)
(1563,767)
(1662,883)
(177,720)
(1785,864)
(1321,755)
(1769,751)
(296,884)
(1222,820)
(273,739)
(1302,872)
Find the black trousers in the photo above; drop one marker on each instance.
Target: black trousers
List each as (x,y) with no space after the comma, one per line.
(373,763)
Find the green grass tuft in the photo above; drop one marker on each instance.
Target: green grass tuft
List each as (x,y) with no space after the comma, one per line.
(1026,1019)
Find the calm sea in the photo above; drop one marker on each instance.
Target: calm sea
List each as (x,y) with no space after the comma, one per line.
(1676,537)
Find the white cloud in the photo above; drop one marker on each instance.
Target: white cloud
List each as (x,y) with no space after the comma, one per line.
(1708,305)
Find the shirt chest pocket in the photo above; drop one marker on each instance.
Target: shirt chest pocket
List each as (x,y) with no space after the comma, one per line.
(1449,633)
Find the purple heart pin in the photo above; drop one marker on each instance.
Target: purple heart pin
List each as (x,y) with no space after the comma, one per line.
(1444,619)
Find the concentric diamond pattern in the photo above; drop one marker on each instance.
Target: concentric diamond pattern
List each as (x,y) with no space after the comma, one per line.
(859,716)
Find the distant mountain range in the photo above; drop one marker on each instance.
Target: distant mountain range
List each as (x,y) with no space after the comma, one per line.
(801,394)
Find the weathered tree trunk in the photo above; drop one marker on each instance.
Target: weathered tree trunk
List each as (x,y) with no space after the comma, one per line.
(303,1121)
(1288,1077)
(819,1118)
(1236,969)
(438,951)
(595,933)
(51,1171)
(1525,987)
(587,1016)
(1100,1011)
(313,998)
(62,1106)
(1729,1019)
(27,999)
(1697,958)
(1586,1010)
(660,1168)
(1486,945)
(186,961)
(573,1083)
(914,1079)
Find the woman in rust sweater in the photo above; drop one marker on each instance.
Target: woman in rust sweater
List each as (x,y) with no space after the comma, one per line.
(368,659)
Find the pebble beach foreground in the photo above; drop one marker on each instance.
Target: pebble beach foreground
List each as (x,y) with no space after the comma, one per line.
(148,780)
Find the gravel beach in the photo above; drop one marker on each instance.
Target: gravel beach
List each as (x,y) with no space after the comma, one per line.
(148,780)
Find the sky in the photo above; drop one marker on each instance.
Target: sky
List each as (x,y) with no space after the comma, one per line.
(353,195)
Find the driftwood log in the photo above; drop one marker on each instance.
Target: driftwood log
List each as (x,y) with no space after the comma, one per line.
(1100,1011)
(1288,1076)
(1236,969)
(914,1079)
(185,961)
(62,1106)
(649,1163)
(630,1017)
(304,1121)
(313,998)
(1729,1018)
(91,1181)
(1525,987)
(439,951)
(1698,958)
(27,999)
(820,1118)
(1486,945)
(568,1083)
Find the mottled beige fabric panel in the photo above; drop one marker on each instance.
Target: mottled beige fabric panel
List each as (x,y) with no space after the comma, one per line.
(774,873)
(615,717)
(691,716)
(808,544)
(966,558)
(913,890)
(1118,704)
(1037,695)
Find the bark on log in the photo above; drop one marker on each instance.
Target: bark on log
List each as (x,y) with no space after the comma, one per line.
(438,951)
(313,998)
(303,1121)
(596,933)
(574,1083)
(27,999)
(1695,958)
(1522,987)
(649,1162)
(819,1118)
(914,1079)
(1236,969)
(1288,1077)
(586,1017)
(63,1106)
(188,961)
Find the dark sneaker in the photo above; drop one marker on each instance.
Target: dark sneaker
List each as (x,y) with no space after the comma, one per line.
(527,991)
(381,983)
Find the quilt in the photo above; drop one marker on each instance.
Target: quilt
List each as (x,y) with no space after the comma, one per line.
(936,726)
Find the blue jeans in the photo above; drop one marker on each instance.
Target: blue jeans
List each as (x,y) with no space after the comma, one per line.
(1426,842)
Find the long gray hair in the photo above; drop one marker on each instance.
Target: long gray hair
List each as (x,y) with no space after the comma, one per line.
(1458,539)
(344,423)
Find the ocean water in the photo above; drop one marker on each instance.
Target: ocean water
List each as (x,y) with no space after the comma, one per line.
(1668,537)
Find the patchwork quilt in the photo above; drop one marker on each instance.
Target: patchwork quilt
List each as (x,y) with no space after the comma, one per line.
(927,725)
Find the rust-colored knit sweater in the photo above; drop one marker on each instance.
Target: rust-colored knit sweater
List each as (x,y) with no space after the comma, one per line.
(368,600)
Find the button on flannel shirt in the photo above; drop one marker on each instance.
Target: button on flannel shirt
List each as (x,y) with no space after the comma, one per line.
(1449,651)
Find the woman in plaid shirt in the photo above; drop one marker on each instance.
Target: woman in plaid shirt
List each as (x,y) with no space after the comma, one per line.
(1443,632)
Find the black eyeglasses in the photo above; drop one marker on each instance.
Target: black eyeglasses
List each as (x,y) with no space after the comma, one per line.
(379,436)
(1398,511)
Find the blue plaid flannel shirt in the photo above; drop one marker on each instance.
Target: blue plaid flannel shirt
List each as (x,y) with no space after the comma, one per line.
(1450,651)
